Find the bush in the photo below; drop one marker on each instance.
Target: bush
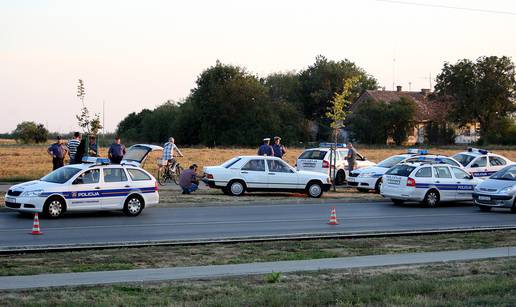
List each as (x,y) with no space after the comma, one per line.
(30,132)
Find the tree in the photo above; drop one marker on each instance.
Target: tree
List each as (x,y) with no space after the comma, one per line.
(131,127)
(482,91)
(401,114)
(89,125)
(30,132)
(339,108)
(369,122)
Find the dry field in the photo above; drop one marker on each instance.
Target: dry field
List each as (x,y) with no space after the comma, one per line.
(18,162)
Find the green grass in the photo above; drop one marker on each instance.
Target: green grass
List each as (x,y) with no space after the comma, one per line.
(214,254)
(480,283)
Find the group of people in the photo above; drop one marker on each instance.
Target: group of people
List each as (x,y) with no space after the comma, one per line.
(275,150)
(77,148)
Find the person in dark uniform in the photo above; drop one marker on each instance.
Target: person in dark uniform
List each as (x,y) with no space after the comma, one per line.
(57,151)
(116,151)
(266,149)
(278,148)
(351,157)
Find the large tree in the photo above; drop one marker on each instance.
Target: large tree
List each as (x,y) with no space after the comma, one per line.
(483,91)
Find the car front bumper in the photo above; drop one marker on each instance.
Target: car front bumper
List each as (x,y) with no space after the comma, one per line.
(363,182)
(24,204)
(493,200)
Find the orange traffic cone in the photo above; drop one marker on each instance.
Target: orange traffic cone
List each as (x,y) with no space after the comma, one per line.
(333,217)
(35,226)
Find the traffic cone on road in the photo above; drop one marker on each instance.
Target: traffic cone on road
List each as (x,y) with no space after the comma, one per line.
(333,217)
(35,226)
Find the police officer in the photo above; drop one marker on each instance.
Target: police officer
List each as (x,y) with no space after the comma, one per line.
(116,151)
(351,157)
(279,149)
(266,149)
(57,151)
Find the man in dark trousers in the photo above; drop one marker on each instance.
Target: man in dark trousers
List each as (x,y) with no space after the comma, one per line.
(188,180)
(73,145)
(278,148)
(266,149)
(57,151)
(116,151)
(351,157)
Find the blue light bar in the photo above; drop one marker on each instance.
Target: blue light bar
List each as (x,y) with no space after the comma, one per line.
(332,145)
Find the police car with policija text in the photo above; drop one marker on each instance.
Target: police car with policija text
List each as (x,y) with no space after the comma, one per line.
(370,178)
(90,186)
(428,183)
(480,162)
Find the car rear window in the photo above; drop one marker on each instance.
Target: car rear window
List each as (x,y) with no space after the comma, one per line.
(229,163)
(313,154)
(401,170)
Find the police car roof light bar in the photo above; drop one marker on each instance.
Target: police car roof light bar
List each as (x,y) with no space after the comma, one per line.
(332,145)
(416,151)
(481,151)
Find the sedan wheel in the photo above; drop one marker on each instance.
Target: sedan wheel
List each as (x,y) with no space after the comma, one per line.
(133,206)
(315,190)
(54,208)
(236,188)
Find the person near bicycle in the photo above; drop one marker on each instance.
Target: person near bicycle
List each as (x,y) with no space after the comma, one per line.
(168,153)
(189,180)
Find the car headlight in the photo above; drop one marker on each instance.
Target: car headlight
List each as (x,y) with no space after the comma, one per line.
(366,175)
(506,190)
(34,193)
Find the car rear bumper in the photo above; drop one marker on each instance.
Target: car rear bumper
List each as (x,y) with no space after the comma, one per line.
(363,182)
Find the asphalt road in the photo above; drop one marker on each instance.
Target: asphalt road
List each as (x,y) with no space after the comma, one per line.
(233,222)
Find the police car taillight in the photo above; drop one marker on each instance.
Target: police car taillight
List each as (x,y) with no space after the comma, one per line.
(155,186)
(325,164)
(411,182)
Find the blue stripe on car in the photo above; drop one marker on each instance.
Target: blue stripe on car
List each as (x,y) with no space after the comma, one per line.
(99,193)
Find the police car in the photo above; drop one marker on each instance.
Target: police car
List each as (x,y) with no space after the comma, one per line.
(319,160)
(370,178)
(428,183)
(480,162)
(92,185)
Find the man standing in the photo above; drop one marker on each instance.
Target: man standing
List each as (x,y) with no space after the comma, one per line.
(188,180)
(57,151)
(351,157)
(73,144)
(93,150)
(265,149)
(116,151)
(168,152)
(279,149)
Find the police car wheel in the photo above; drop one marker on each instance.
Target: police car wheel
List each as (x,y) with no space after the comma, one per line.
(236,188)
(54,208)
(133,205)
(314,190)
(484,208)
(340,178)
(378,186)
(431,198)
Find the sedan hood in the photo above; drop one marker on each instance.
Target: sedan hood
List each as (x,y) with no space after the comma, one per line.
(34,185)
(371,169)
(492,185)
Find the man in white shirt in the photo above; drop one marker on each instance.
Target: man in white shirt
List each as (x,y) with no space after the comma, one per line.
(168,152)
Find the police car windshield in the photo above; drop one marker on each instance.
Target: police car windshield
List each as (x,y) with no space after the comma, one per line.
(403,170)
(61,175)
(508,173)
(390,162)
(463,158)
(313,154)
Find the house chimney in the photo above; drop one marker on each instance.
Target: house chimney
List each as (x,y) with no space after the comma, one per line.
(425,91)
(398,88)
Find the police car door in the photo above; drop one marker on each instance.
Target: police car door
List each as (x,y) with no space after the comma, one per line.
(85,191)
(478,167)
(465,184)
(115,188)
(445,182)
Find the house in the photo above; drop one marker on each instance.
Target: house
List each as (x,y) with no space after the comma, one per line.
(428,111)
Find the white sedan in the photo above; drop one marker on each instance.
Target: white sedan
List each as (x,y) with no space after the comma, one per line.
(95,185)
(259,173)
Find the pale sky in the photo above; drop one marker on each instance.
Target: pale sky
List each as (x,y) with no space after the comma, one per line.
(138,54)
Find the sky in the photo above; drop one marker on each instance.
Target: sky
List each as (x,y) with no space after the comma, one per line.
(139,54)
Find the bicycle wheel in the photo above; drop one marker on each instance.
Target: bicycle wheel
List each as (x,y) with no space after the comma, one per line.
(162,176)
(177,173)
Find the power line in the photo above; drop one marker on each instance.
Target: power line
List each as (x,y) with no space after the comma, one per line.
(449,7)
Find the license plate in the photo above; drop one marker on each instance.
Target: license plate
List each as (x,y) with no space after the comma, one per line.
(10,200)
(351,179)
(484,198)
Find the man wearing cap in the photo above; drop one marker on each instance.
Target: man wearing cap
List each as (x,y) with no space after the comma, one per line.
(266,149)
(279,149)
(57,151)
(116,151)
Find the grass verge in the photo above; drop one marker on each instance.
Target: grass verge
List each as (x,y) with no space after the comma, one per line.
(213,254)
(483,283)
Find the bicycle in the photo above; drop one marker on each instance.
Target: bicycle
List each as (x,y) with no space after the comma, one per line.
(168,172)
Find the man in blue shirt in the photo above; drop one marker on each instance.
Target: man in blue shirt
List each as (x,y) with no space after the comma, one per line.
(279,149)
(116,151)
(265,149)
(57,151)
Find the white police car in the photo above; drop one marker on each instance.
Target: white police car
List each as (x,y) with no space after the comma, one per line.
(428,183)
(480,162)
(370,178)
(319,160)
(95,185)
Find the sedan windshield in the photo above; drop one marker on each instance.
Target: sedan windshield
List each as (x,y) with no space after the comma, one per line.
(61,175)
(463,159)
(390,162)
(508,173)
